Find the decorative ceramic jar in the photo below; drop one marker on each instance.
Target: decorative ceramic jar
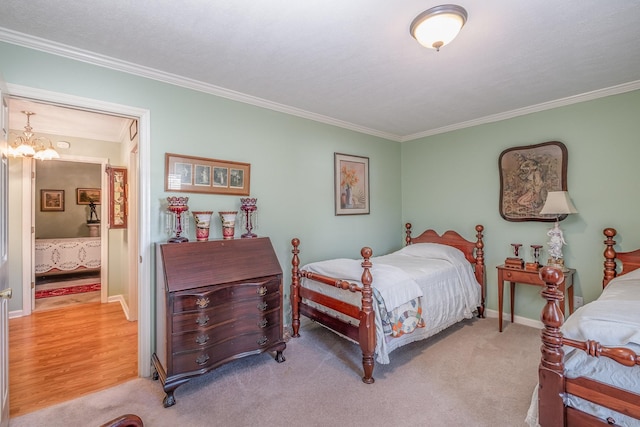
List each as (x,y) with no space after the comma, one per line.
(203,223)
(228,219)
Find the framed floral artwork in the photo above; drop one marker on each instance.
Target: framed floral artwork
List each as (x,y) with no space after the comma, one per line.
(351,184)
(527,174)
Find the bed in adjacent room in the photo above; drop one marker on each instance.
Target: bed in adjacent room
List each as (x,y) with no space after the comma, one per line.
(67,255)
(387,301)
(589,372)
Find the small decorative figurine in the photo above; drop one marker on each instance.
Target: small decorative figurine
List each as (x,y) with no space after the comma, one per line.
(93,215)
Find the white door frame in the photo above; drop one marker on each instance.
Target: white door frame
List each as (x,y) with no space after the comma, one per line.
(144,201)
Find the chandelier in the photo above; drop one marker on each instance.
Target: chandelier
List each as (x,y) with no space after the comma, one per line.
(26,145)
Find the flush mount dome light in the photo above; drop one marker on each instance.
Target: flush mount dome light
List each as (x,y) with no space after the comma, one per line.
(438,26)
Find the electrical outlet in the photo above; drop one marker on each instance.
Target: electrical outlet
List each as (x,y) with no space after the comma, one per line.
(578,302)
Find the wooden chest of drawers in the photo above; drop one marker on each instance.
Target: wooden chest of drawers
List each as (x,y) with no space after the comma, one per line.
(217,301)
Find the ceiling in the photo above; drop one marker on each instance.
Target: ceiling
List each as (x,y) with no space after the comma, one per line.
(353,63)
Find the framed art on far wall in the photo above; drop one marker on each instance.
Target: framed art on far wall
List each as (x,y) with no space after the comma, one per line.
(84,196)
(527,174)
(52,200)
(190,174)
(351,184)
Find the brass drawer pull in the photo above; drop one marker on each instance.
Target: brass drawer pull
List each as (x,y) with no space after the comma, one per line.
(263,340)
(202,302)
(202,320)
(202,359)
(263,323)
(262,291)
(202,339)
(262,306)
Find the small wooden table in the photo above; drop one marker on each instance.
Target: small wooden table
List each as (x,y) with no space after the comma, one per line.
(529,277)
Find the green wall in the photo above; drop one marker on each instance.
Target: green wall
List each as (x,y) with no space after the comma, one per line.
(291,158)
(441,182)
(452,181)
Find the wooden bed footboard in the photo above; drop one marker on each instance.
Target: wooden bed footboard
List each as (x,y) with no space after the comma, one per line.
(365,333)
(553,385)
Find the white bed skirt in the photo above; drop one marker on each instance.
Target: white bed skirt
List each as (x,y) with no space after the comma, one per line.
(66,255)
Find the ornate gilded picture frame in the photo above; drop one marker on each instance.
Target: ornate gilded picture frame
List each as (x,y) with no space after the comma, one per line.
(527,174)
(118,197)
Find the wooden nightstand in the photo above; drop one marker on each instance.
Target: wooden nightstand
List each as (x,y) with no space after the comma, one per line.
(529,277)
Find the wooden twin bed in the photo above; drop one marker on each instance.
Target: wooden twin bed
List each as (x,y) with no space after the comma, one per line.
(333,297)
(611,378)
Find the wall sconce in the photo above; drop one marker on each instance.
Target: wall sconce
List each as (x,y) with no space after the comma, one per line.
(438,26)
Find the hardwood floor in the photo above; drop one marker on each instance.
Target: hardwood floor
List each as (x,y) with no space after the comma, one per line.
(62,354)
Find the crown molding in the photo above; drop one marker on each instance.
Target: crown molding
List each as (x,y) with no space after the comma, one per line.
(59,49)
(48,46)
(562,102)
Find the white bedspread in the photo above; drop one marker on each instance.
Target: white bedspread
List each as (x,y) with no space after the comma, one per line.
(438,274)
(614,321)
(66,254)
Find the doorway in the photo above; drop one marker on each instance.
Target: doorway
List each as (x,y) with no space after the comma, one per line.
(139,247)
(68,264)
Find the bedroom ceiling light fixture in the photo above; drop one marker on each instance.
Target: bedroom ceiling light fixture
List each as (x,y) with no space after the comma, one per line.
(438,26)
(26,145)
(558,203)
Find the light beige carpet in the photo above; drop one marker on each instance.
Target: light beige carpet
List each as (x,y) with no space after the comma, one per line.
(468,375)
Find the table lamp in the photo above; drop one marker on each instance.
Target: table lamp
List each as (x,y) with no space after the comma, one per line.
(558,203)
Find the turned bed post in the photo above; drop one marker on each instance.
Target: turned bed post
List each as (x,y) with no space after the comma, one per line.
(551,370)
(407,231)
(295,289)
(609,257)
(367,328)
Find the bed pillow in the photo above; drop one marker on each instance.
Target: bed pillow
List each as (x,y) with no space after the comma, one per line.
(613,319)
(433,250)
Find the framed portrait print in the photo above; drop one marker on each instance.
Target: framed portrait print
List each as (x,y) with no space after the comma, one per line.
(527,174)
(351,184)
(85,196)
(52,200)
(190,174)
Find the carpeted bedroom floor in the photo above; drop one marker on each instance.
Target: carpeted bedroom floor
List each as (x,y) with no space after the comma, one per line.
(468,375)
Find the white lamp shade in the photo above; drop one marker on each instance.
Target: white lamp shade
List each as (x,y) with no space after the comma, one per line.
(558,203)
(438,26)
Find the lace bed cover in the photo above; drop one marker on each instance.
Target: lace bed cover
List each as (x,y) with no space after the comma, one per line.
(69,254)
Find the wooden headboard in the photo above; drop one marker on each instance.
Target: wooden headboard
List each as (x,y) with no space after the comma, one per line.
(471,250)
(630,260)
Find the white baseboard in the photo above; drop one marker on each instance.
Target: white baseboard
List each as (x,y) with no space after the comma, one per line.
(516,319)
(123,303)
(16,313)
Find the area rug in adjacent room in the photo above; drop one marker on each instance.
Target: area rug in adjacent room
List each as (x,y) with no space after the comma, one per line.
(67,290)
